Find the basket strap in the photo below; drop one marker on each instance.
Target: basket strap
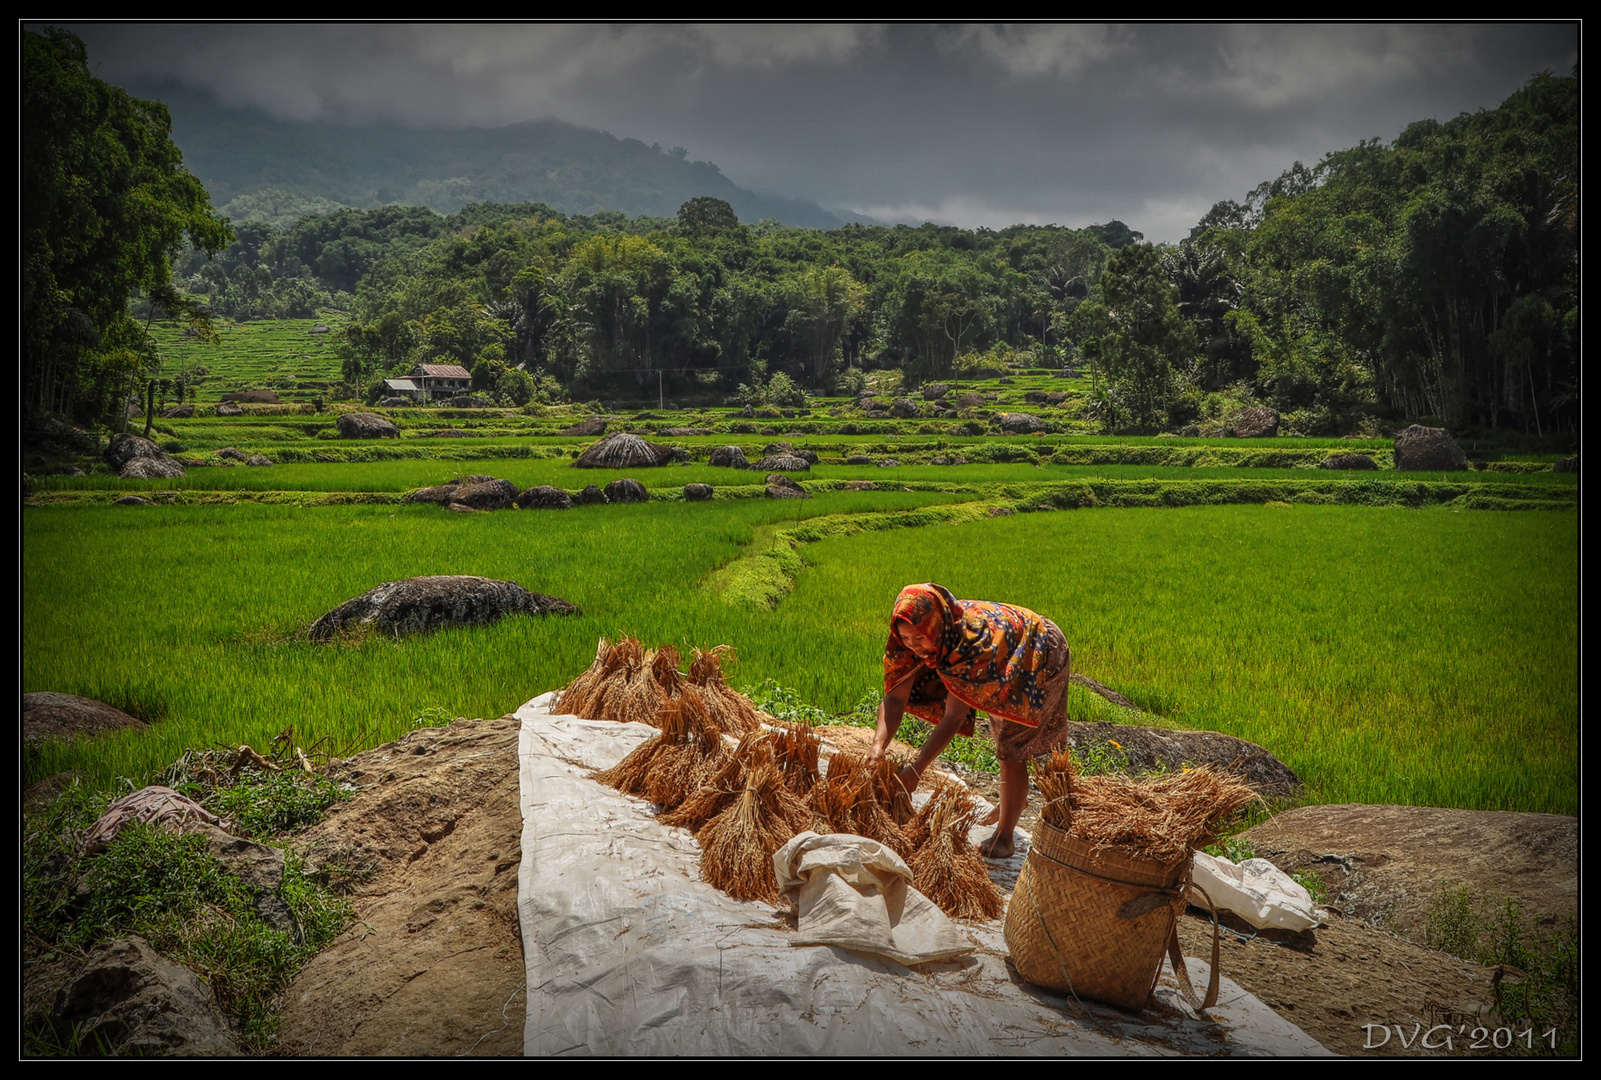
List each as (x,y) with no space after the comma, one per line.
(1023,880)
(1177,957)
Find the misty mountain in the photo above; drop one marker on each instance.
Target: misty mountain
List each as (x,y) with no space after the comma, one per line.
(257,167)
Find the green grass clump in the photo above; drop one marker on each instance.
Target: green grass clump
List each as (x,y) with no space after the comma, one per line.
(166,888)
(1537,985)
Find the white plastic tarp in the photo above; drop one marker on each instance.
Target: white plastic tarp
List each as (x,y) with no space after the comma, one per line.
(628,952)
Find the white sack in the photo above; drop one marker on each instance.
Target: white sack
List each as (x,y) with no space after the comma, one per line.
(1256,891)
(857,894)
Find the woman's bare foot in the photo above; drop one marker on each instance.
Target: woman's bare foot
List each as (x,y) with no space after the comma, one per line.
(997,847)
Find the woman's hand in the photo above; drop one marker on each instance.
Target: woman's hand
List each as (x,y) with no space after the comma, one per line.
(910,776)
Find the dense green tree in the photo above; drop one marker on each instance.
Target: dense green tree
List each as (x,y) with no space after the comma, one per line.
(106,208)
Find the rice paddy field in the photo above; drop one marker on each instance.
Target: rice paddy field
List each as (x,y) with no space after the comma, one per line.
(1395,638)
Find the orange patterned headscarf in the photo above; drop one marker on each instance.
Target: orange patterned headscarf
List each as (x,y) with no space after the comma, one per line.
(991,656)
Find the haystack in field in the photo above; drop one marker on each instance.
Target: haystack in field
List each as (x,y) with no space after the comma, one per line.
(621,450)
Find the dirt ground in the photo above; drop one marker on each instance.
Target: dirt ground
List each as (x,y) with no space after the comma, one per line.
(431,842)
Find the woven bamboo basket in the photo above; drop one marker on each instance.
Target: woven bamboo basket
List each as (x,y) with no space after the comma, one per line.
(1093,923)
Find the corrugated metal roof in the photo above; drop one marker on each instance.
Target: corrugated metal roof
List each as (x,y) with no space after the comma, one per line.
(402,384)
(445,371)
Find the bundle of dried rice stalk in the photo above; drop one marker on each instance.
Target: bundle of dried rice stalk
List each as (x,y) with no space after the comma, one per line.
(917,829)
(1162,818)
(732,710)
(946,868)
(737,845)
(583,696)
(795,748)
(674,763)
(1055,782)
(855,797)
(722,787)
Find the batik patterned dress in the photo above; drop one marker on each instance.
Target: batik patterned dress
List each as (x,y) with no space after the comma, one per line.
(1006,660)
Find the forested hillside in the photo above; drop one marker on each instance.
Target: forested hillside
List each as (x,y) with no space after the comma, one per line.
(262,169)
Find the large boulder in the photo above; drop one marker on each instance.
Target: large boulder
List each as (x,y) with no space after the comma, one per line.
(228,408)
(157,468)
(440,493)
(1257,422)
(423,604)
(233,455)
(1567,464)
(1021,423)
(589,429)
(1427,449)
(366,425)
(545,497)
(935,391)
(784,463)
(903,408)
(48,715)
(131,500)
(178,412)
(626,491)
(1348,462)
(1149,748)
(972,399)
(590,496)
(258,461)
(623,450)
(133,1002)
(780,486)
(486,495)
(697,492)
(729,457)
(125,448)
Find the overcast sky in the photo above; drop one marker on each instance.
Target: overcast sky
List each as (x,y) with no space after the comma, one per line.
(963,124)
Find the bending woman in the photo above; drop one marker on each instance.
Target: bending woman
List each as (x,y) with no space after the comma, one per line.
(947,657)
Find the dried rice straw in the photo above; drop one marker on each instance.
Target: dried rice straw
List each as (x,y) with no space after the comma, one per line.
(796,748)
(737,845)
(946,868)
(721,788)
(1162,818)
(732,710)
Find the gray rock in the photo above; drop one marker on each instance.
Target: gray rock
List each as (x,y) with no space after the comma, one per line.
(442,494)
(590,496)
(595,425)
(545,497)
(697,492)
(622,450)
(903,408)
(890,463)
(258,461)
(125,448)
(157,468)
(1349,462)
(489,494)
(970,400)
(1567,464)
(729,457)
(366,425)
(133,1002)
(253,397)
(787,491)
(260,866)
(858,459)
(748,413)
(783,463)
(423,604)
(1021,423)
(131,500)
(1257,422)
(178,412)
(935,391)
(48,715)
(1426,449)
(228,408)
(626,491)
(1148,748)
(782,481)
(232,454)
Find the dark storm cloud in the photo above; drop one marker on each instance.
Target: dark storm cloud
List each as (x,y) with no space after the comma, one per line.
(977,125)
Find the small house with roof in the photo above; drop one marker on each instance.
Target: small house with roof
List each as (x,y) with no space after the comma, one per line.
(427,382)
